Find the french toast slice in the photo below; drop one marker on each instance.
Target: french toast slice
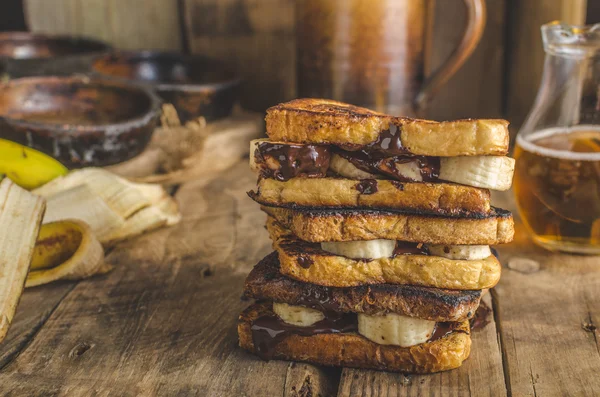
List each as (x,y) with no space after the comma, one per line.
(331,122)
(427,198)
(354,350)
(265,282)
(307,262)
(321,225)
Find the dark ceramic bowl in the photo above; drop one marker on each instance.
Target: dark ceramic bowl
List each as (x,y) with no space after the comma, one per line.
(79,121)
(195,85)
(28,54)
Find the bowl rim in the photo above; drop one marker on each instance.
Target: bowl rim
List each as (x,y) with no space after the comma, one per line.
(234,81)
(33,36)
(153,111)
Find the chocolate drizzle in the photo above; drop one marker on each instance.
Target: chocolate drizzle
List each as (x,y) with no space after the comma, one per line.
(270,330)
(444,328)
(406,248)
(378,163)
(305,261)
(367,186)
(286,161)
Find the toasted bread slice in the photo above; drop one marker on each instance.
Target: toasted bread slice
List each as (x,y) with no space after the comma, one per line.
(265,282)
(337,123)
(353,350)
(309,263)
(427,198)
(365,224)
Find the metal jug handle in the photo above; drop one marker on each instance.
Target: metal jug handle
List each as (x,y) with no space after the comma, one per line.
(471,36)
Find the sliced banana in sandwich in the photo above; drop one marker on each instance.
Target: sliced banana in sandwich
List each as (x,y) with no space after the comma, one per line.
(461,252)
(297,315)
(395,329)
(366,249)
(253,146)
(488,172)
(345,168)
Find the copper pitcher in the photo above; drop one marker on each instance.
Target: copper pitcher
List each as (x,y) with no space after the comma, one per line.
(372,53)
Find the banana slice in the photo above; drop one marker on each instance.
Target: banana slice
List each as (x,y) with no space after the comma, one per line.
(461,252)
(410,170)
(395,329)
(489,172)
(344,168)
(367,249)
(253,146)
(297,315)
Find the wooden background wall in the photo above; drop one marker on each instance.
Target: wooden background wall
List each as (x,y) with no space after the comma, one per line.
(257,38)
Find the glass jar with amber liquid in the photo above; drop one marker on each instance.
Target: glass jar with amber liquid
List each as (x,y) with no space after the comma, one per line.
(557,176)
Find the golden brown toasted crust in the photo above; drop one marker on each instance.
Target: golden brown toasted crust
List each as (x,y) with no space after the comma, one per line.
(364,224)
(327,121)
(307,262)
(265,282)
(428,198)
(353,350)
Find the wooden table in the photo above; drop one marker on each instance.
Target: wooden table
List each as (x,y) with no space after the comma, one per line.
(164,321)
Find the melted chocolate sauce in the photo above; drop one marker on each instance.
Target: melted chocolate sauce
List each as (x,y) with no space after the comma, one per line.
(292,160)
(305,261)
(374,163)
(444,328)
(406,248)
(367,186)
(388,142)
(269,330)
(482,317)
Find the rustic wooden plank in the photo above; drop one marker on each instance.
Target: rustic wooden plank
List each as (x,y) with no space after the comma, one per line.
(526,53)
(548,319)
(476,90)
(160,324)
(255,38)
(127,24)
(480,375)
(36,305)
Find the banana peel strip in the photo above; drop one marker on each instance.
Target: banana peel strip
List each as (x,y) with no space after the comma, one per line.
(115,208)
(66,250)
(20,218)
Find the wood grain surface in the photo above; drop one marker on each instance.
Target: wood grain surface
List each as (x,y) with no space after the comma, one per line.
(164,321)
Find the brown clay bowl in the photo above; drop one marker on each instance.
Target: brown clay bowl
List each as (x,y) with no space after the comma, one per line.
(195,85)
(29,54)
(79,121)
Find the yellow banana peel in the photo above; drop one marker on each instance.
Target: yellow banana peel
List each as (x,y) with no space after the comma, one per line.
(27,167)
(66,250)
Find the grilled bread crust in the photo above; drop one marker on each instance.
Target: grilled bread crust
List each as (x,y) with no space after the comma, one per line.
(365,224)
(332,122)
(428,198)
(265,282)
(353,350)
(307,262)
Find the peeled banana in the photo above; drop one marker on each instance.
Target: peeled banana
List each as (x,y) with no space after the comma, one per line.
(65,250)
(488,172)
(20,218)
(364,249)
(460,252)
(27,167)
(395,329)
(345,168)
(297,315)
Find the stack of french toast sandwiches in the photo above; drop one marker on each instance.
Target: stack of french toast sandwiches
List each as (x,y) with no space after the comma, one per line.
(382,228)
